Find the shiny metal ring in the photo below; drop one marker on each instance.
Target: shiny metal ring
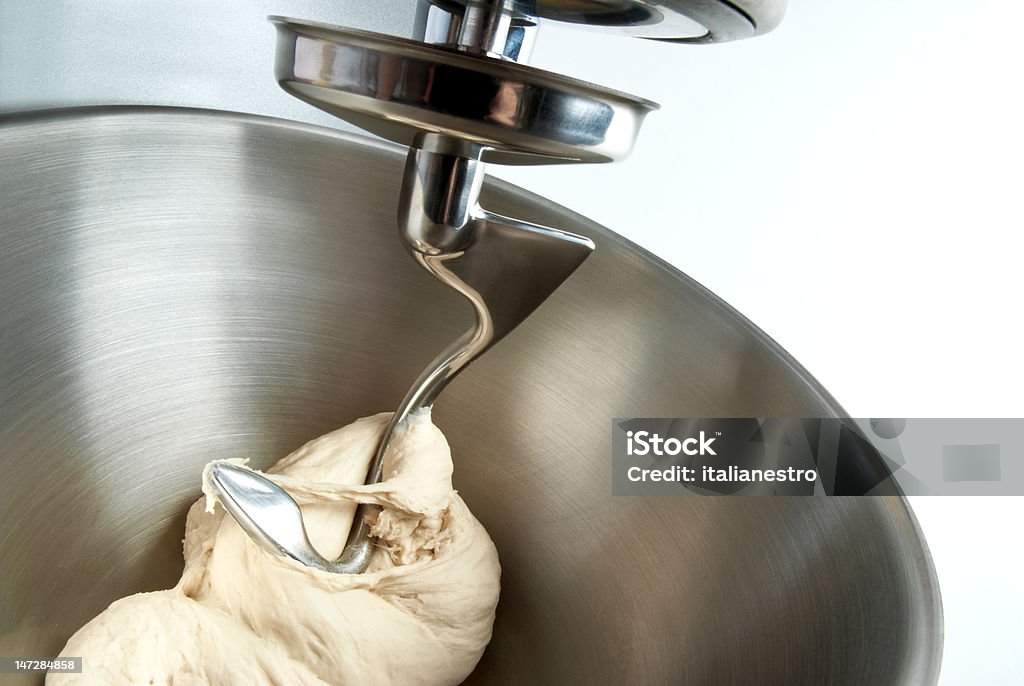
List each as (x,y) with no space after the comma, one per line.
(399,88)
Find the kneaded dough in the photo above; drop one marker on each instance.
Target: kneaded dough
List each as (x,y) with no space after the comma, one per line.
(421,614)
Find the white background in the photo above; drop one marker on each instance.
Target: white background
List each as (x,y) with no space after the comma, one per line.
(852,183)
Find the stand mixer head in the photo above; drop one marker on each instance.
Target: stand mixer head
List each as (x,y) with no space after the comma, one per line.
(457,105)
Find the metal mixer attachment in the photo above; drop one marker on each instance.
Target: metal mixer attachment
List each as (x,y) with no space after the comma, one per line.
(460,98)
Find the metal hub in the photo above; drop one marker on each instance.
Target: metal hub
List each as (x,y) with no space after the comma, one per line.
(399,88)
(679,21)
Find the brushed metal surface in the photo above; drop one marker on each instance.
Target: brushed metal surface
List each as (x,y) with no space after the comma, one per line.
(177,286)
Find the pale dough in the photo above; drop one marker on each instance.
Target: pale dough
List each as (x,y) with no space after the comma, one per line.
(422,614)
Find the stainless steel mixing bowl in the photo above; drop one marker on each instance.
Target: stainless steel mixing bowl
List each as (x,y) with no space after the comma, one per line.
(177,286)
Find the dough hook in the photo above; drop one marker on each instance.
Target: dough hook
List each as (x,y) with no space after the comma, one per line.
(506,268)
(460,98)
